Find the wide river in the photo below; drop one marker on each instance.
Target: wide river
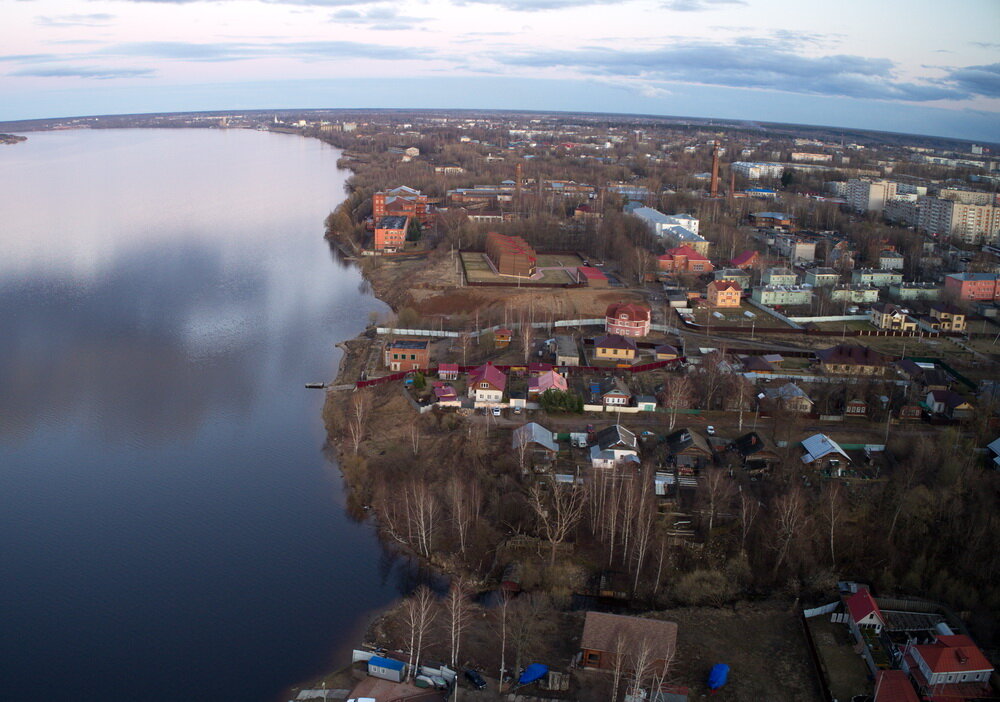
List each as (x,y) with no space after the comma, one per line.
(169,526)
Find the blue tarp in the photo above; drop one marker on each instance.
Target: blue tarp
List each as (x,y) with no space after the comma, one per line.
(717,678)
(387,663)
(535,671)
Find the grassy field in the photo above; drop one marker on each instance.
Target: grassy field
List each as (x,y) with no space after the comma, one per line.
(733,316)
(478,270)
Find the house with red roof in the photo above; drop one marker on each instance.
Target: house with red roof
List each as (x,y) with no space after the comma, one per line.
(724,293)
(550,380)
(952,669)
(448,371)
(593,277)
(628,319)
(486,385)
(747,259)
(864,612)
(894,686)
(684,259)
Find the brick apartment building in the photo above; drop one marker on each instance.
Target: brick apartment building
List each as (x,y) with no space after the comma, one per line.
(400,202)
(511,255)
(684,259)
(973,286)
(390,233)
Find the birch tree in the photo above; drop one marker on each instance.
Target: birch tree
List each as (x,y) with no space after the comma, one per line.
(418,613)
(558,511)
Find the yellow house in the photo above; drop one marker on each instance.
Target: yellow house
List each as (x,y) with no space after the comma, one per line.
(885,315)
(948,316)
(614,347)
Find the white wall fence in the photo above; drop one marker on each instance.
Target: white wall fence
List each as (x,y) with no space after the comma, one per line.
(817,611)
(560,324)
(774,313)
(833,318)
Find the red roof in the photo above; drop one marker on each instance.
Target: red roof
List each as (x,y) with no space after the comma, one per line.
(894,686)
(634,312)
(691,254)
(720,285)
(490,374)
(744,258)
(861,604)
(953,654)
(591,273)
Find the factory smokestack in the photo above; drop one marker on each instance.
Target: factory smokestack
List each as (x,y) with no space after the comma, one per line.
(714,192)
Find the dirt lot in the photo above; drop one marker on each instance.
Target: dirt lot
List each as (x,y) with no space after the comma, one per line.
(478,269)
(847,670)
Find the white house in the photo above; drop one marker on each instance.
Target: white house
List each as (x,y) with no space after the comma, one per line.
(486,385)
(865,613)
(615,445)
(947,663)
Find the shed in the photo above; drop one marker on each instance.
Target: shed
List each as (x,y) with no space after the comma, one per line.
(386,668)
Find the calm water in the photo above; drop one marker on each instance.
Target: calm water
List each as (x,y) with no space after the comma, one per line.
(169,528)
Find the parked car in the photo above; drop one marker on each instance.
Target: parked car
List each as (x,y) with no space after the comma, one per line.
(517,410)
(710,430)
(496,411)
(475,679)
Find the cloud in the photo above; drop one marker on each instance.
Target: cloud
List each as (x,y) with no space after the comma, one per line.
(535,5)
(311,3)
(97,19)
(698,5)
(381,18)
(751,63)
(84,72)
(245,51)
(978,80)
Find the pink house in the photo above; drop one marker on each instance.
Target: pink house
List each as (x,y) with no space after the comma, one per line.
(628,319)
(549,380)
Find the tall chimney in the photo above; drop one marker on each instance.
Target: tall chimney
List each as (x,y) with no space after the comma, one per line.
(715,169)
(518,176)
(732,182)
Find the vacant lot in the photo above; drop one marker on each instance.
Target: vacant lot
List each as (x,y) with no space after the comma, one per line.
(478,269)
(736,317)
(846,669)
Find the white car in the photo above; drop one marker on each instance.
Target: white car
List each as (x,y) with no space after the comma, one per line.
(710,430)
(496,411)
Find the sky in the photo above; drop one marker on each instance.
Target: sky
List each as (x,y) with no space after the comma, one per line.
(920,66)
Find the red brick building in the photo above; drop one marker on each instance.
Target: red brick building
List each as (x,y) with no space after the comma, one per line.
(628,319)
(593,277)
(973,286)
(400,202)
(390,233)
(407,354)
(747,259)
(511,255)
(684,259)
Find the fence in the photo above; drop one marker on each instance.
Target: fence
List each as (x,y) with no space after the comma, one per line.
(817,611)
(558,324)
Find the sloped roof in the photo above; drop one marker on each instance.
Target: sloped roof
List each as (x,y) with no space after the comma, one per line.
(601,632)
(616,436)
(861,604)
(667,349)
(894,686)
(786,392)
(549,380)
(721,285)
(615,341)
(744,258)
(635,312)
(532,432)
(819,445)
(691,254)
(753,443)
(683,439)
(490,374)
(953,654)
(851,354)
(949,398)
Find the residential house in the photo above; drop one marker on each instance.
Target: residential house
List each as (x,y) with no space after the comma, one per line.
(926,376)
(789,397)
(879,277)
(973,286)
(894,686)
(782,295)
(502,337)
(994,448)
(666,352)
(628,319)
(586,212)
(851,359)
(407,354)
(689,450)
(615,393)
(614,347)
(948,403)
(604,636)
(771,220)
(445,395)
(779,276)
(756,364)
(390,233)
(947,317)
(549,380)
(952,668)
(535,440)
(487,384)
(448,371)
(449,169)
(646,403)
(724,293)
(684,259)
(864,613)
(614,445)
(737,275)
(822,277)
(856,407)
(823,452)
(885,315)
(747,259)
(756,451)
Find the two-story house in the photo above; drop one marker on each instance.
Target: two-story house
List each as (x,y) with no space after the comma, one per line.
(724,293)
(614,445)
(952,667)
(947,317)
(486,385)
(615,347)
(851,359)
(407,354)
(628,319)
(885,315)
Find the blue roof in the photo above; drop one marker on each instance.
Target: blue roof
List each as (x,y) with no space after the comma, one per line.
(973,276)
(386,663)
(771,215)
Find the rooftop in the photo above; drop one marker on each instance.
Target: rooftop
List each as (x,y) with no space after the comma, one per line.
(392,222)
(600,631)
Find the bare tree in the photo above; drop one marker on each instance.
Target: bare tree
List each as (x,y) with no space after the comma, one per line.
(357,422)
(715,492)
(527,333)
(558,512)
(749,509)
(832,506)
(458,611)
(422,515)
(620,652)
(418,613)
(415,438)
(790,519)
(464,505)
(677,394)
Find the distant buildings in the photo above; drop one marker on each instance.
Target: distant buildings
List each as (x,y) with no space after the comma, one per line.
(678,230)
(869,195)
(684,259)
(879,277)
(757,170)
(511,255)
(973,286)
(810,157)
(795,248)
(822,277)
(772,220)
(402,201)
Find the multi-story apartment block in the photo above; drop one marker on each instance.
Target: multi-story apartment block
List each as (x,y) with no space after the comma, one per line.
(879,277)
(967,222)
(822,277)
(511,255)
(795,247)
(855,294)
(789,295)
(684,259)
(892,260)
(973,286)
(779,276)
(390,233)
(400,202)
(903,210)
(737,275)
(676,230)
(869,195)
(757,170)
(904,292)
(807,156)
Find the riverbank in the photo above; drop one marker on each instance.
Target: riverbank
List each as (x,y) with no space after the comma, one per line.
(12,138)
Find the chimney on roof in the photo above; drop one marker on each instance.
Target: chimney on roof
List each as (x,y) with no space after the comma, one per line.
(714,192)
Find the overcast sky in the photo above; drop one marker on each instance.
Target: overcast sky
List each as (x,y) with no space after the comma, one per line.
(924,66)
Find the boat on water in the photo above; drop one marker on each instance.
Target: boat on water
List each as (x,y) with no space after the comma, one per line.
(315,386)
